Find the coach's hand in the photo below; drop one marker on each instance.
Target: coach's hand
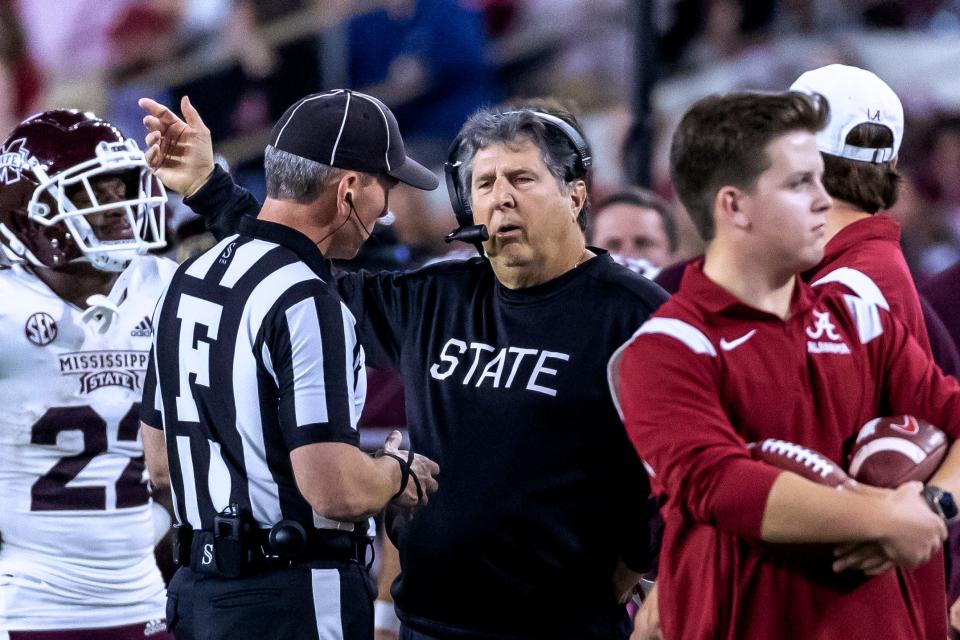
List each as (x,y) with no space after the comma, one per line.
(179,152)
(911,531)
(422,471)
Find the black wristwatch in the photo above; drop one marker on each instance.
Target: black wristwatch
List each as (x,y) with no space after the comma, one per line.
(940,501)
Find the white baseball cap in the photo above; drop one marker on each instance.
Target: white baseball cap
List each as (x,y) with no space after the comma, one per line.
(856,96)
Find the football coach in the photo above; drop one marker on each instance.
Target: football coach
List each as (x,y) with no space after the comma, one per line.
(257,381)
(539,529)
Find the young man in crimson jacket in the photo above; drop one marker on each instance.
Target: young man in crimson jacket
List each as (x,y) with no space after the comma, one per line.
(746,351)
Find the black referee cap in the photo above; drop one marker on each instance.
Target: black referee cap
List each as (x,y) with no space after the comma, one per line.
(349,130)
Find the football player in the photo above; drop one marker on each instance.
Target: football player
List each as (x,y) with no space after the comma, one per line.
(79,209)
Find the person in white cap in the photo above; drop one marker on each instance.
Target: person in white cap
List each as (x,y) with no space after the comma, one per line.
(859,146)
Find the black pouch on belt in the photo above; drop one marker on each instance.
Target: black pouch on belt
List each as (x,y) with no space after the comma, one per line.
(233,540)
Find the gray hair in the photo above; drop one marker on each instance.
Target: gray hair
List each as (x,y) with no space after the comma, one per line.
(509,127)
(290,177)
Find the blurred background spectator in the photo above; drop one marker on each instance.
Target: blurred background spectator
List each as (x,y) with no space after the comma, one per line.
(635,223)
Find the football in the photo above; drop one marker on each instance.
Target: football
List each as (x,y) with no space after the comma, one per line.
(800,460)
(896,449)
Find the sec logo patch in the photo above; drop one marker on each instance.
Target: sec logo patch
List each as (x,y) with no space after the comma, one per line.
(41,329)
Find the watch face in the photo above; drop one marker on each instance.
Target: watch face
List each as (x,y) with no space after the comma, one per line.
(948,505)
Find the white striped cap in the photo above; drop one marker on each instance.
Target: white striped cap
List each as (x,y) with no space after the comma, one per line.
(349,130)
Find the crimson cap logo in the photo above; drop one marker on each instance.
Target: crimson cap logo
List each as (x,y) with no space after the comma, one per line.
(41,329)
(13,160)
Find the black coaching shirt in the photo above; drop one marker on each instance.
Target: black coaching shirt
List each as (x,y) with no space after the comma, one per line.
(540,491)
(256,356)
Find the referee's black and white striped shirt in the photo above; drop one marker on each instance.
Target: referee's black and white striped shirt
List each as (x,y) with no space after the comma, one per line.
(254,355)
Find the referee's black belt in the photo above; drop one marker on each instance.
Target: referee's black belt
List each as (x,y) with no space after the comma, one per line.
(204,552)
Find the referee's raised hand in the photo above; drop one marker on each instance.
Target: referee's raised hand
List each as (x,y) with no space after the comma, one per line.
(418,473)
(179,150)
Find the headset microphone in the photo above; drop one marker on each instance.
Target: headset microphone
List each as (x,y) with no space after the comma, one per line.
(473,234)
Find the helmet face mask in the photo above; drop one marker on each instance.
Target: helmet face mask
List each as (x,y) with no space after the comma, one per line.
(64,153)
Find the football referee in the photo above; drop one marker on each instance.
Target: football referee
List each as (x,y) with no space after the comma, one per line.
(257,381)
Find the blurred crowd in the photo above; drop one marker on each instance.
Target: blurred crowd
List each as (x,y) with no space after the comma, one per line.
(435,61)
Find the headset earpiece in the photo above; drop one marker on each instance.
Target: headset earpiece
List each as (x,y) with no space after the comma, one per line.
(458,202)
(348,198)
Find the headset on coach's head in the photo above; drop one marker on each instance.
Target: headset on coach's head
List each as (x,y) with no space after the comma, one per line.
(475,234)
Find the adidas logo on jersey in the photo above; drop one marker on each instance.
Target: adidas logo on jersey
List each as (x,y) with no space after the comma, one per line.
(144,329)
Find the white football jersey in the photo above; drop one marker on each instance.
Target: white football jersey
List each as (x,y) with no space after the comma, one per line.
(75,514)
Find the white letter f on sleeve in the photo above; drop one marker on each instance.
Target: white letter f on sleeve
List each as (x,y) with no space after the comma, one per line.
(194,359)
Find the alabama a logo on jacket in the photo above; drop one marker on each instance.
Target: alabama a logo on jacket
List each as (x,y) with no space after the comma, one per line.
(824,337)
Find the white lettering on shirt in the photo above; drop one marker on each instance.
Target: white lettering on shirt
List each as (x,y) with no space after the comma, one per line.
(488,372)
(838,348)
(477,347)
(492,361)
(516,363)
(537,370)
(453,361)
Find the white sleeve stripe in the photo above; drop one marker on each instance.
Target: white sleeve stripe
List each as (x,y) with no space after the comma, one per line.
(157,398)
(685,332)
(306,358)
(189,482)
(866,316)
(202,265)
(268,363)
(349,340)
(859,283)
(613,372)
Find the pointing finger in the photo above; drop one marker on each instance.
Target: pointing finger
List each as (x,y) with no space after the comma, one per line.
(191,114)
